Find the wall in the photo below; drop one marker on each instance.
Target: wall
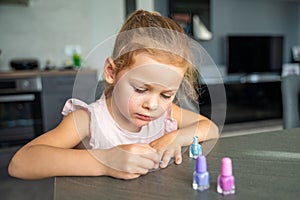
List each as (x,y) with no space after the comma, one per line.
(43,29)
(146,5)
(249,17)
(253,17)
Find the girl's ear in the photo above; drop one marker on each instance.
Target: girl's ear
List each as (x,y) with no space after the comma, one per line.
(109,71)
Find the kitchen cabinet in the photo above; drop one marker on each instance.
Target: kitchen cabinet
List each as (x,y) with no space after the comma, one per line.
(247,99)
(31,101)
(193,16)
(58,88)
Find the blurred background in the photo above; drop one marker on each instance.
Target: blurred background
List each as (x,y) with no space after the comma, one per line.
(42,44)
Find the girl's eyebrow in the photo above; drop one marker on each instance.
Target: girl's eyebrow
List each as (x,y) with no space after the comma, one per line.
(165,90)
(141,84)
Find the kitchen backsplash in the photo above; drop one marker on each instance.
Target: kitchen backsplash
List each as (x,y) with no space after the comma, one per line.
(43,29)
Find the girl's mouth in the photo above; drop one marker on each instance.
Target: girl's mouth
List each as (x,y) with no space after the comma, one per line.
(144,117)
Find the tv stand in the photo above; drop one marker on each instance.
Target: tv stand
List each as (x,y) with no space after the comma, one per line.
(253,78)
(249,97)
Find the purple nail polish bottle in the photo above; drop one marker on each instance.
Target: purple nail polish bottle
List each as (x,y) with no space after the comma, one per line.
(226,184)
(201,175)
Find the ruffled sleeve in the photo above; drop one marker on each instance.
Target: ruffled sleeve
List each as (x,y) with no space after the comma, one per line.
(170,123)
(72,105)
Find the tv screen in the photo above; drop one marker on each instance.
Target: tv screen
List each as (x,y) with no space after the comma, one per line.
(254,54)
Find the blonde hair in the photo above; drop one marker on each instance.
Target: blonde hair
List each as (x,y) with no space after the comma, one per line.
(161,38)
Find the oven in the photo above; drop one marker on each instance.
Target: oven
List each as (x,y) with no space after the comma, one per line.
(20,110)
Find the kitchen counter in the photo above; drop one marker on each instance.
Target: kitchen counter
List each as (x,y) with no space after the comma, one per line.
(38,96)
(34,73)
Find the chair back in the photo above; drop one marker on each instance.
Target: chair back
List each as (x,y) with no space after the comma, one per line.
(101,86)
(290,88)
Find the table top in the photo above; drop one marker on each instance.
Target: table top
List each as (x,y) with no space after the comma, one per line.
(265,166)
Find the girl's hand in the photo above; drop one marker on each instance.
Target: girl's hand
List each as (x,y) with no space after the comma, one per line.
(128,161)
(169,147)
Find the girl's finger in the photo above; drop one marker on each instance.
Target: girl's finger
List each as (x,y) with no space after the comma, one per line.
(178,157)
(165,159)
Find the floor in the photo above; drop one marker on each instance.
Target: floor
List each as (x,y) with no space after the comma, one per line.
(16,189)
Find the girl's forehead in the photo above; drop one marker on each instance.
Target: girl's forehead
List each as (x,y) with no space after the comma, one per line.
(144,58)
(164,75)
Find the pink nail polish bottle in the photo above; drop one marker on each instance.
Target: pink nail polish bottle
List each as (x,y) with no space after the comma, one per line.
(226,184)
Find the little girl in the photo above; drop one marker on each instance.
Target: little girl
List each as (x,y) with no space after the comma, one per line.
(135,126)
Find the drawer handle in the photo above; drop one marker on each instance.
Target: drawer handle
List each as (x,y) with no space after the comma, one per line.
(17,98)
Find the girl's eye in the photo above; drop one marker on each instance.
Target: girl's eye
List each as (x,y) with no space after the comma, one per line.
(140,90)
(166,96)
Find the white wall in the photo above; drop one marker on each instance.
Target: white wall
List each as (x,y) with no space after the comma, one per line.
(253,17)
(280,17)
(42,29)
(146,5)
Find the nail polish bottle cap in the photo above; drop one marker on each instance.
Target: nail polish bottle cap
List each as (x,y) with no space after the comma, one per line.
(201,165)
(195,140)
(226,167)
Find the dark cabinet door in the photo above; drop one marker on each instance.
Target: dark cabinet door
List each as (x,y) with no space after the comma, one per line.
(247,101)
(58,89)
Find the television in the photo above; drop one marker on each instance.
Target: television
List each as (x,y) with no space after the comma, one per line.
(254,54)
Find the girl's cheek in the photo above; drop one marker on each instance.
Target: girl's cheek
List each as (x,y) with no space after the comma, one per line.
(134,100)
(134,104)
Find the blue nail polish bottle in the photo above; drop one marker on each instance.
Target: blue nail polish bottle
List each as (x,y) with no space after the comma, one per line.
(201,175)
(195,148)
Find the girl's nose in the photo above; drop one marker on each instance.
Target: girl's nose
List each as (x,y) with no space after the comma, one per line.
(151,103)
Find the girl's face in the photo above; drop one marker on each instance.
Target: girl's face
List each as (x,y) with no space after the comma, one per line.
(143,92)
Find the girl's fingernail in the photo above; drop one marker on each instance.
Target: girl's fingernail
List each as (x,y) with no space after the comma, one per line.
(162,164)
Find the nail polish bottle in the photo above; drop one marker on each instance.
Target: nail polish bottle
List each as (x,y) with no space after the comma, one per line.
(195,148)
(226,184)
(201,175)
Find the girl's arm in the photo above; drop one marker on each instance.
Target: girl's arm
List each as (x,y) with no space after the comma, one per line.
(190,124)
(52,154)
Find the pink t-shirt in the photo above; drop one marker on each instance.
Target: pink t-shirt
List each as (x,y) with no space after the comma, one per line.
(106,133)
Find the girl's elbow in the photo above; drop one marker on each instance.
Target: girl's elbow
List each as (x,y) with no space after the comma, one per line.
(213,131)
(13,169)
(217,131)
(16,168)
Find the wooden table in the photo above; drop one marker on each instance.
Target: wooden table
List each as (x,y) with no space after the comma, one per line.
(265,166)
